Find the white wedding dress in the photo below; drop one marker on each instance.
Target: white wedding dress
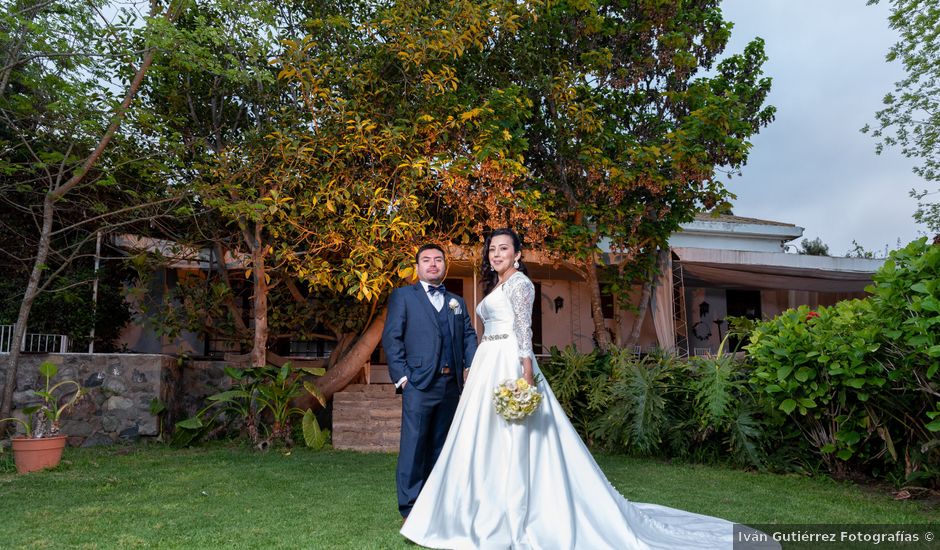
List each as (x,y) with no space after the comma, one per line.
(532,483)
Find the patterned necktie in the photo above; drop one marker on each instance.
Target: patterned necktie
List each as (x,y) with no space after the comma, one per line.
(432,289)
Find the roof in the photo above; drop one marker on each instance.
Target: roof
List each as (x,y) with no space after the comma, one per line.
(775,270)
(706,217)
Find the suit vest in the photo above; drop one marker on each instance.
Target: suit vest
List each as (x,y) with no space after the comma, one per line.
(448,356)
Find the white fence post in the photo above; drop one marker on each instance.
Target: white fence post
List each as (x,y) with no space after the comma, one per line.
(6,333)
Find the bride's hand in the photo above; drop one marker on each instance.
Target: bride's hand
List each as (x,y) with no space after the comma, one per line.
(527,371)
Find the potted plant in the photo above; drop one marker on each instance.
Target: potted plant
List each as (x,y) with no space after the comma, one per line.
(42,445)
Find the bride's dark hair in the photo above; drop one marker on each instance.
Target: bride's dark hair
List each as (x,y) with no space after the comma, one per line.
(490,278)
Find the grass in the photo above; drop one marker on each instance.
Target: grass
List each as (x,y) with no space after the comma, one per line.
(232,496)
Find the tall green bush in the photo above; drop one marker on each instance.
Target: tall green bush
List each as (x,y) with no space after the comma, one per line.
(860,379)
(906,295)
(820,368)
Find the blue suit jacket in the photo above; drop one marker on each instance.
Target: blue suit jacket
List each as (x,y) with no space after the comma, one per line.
(412,340)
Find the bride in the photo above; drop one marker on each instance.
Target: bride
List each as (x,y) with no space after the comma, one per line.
(530,483)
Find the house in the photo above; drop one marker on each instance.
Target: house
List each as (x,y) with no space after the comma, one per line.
(718,266)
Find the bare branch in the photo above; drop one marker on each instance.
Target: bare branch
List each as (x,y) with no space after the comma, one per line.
(114,213)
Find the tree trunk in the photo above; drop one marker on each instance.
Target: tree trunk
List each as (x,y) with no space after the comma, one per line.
(618,320)
(343,343)
(260,302)
(349,365)
(618,311)
(240,327)
(32,289)
(601,336)
(641,311)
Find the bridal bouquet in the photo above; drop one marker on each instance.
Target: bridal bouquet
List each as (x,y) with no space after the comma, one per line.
(516,399)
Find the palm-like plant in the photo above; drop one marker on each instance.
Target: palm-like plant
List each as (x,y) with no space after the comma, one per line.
(724,406)
(638,416)
(263,398)
(45,418)
(580,381)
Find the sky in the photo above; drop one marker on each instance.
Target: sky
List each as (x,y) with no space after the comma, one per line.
(812,166)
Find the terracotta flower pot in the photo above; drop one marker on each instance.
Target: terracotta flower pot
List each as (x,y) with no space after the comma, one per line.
(36,454)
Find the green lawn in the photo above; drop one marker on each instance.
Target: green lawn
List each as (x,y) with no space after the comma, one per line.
(234,497)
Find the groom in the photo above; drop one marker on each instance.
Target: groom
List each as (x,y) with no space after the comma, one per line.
(428,342)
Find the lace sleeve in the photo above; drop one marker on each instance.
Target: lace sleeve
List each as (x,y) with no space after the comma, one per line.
(522,295)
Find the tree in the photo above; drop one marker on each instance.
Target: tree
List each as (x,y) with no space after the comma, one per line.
(400,145)
(328,181)
(220,104)
(813,247)
(61,115)
(911,116)
(626,129)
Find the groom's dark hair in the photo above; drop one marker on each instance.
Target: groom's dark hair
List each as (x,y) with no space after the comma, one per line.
(429,246)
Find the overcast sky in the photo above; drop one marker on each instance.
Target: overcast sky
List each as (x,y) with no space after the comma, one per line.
(812,166)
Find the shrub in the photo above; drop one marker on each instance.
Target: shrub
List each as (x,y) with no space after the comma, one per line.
(659,405)
(581,382)
(262,401)
(860,379)
(906,297)
(820,368)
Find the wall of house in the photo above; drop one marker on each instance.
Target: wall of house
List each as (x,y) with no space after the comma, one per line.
(141,336)
(572,324)
(704,333)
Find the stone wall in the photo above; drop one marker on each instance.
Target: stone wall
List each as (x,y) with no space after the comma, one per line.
(120,390)
(197,380)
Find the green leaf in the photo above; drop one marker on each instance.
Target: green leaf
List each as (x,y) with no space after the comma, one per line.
(804,373)
(156,406)
(193,423)
(856,383)
(283,373)
(48,369)
(314,437)
(315,371)
(845,454)
(788,406)
(229,395)
(233,373)
(850,437)
(315,391)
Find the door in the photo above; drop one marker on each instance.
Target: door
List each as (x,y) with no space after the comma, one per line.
(740,303)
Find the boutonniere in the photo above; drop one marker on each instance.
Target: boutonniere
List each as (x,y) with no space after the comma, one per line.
(454,306)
